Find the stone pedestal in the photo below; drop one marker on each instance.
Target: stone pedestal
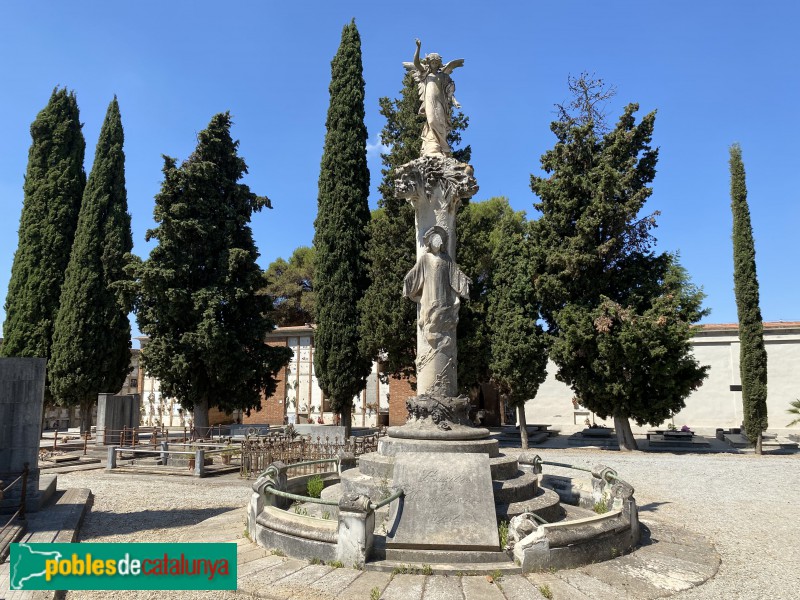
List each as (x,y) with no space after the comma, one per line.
(448,503)
(114,413)
(21,402)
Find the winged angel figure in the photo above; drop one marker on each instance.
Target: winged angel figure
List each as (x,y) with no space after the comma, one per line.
(436,93)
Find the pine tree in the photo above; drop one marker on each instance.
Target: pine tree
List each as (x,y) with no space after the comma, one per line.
(92,337)
(752,354)
(340,238)
(198,294)
(290,285)
(518,342)
(620,314)
(389,320)
(54,183)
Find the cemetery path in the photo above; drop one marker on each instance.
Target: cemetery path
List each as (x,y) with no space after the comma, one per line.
(729,520)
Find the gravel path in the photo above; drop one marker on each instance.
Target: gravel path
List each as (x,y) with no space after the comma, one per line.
(746,505)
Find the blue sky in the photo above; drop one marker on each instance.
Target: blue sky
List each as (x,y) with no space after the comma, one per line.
(717,72)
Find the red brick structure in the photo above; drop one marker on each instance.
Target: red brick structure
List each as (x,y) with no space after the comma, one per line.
(399,390)
(273,408)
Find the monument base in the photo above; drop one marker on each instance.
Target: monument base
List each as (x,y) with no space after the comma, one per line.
(434,417)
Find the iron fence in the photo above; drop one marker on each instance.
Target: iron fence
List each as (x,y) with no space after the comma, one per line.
(259,452)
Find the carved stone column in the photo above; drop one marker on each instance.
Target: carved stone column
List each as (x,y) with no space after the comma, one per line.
(435,186)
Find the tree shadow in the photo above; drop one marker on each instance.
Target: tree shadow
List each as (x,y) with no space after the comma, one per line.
(103,523)
(652,506)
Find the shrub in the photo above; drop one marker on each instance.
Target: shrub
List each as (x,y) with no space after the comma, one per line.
(315,486)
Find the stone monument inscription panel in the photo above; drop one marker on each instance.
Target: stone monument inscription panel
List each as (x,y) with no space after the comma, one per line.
(448,502)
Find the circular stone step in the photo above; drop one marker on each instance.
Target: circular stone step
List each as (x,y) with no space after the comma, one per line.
(520,488)
(503,466)
(545,503)
(376,465)
(389,446)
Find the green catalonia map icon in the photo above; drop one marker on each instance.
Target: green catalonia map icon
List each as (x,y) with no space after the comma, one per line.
(27,564)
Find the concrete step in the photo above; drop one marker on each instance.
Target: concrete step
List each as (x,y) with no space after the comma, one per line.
(9,535)
(504,467)
(431,557)
(382,467)
(399,568)
(520,488)
(546,503)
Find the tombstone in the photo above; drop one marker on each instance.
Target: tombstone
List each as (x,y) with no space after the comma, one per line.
(113,414)
(21,404)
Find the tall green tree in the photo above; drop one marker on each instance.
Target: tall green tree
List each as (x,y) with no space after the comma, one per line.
(619,313)
(340,239)
(518,343)
(54,183)
(198,293)
(92,337)
(752,354)
(477,233)
(389,320)
(290,284)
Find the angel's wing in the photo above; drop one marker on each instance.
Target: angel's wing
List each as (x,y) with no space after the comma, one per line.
(453,64)
(411,67)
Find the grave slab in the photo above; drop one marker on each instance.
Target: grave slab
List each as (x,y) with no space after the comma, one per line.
(448,503)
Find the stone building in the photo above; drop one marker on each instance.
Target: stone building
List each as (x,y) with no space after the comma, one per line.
(298,397)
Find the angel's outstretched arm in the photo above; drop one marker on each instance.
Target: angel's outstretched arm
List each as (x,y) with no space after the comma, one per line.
(417,64)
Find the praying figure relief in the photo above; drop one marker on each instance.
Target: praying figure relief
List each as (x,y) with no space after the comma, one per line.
(436,284)
(436,93)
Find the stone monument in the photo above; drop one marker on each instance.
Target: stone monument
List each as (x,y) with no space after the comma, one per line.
(113,414)
(438,486)
(21,404)
(435,184)
(448,501)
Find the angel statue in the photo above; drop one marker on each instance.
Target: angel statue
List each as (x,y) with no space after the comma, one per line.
(436,89)
(436,282)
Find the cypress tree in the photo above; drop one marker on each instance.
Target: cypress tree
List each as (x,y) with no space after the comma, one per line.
(752,354)
(54,183)
(92,337)
(340,239)
(388,320)
(518,342)
(198,293)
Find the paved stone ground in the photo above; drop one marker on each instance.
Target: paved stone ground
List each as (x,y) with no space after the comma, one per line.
(700,510)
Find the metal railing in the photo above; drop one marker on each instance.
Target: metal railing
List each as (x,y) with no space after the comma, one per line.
(260,452)
(270,489)
(195,458)
(20,512)
(609,474)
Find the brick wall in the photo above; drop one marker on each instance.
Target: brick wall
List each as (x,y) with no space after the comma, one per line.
(399,390)
(217,417)
(272,408)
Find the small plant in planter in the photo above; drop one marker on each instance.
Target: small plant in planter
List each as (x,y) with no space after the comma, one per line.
(315,486)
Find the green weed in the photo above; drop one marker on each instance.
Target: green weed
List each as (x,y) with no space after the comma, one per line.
(315,486)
